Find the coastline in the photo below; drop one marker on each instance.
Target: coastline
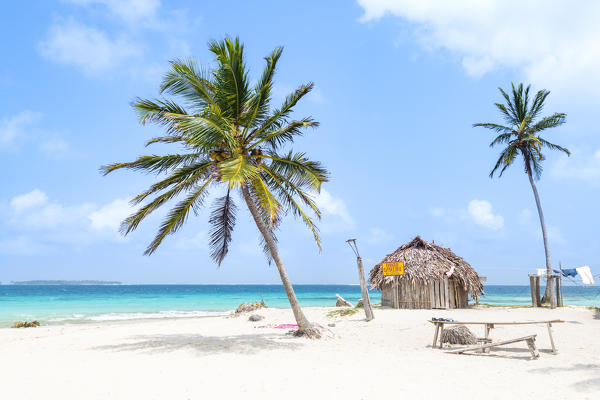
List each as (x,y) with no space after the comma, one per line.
(182,358)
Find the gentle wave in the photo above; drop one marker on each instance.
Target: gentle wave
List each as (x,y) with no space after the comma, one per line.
(140,315)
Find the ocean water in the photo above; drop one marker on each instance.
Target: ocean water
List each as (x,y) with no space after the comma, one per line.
(58,304)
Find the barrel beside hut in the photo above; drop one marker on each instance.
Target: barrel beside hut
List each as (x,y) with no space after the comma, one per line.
(425,283)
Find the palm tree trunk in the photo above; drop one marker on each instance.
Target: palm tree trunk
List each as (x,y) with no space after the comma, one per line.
(547,293)
(304,326)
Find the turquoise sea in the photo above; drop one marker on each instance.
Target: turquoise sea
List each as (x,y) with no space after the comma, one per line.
(55,304)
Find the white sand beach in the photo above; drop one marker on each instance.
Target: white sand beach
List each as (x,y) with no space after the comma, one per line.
(225,358)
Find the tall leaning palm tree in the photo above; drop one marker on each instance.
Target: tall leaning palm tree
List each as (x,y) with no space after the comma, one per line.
(521,136)
(230,138)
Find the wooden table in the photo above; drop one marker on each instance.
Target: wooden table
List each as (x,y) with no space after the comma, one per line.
(439,328)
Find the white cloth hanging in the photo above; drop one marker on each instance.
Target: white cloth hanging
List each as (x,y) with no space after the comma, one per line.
(541,271)
(449,273)
(586,275)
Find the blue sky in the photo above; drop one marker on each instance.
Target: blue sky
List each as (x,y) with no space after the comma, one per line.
(398,86)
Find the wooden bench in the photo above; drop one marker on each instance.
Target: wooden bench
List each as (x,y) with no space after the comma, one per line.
(482,347)
(439,328)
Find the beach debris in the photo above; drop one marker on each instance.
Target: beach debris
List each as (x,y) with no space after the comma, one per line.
(247,307)
(458,334)
(279,326)
(26,324)
(341,302)
(331,324)
(342,313)
(255,317)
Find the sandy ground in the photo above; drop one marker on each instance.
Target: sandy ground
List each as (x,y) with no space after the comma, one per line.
(227,358)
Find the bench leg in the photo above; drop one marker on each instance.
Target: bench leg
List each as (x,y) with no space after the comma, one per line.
(554,350)
(488,328)
(534,352)
(435,335)
(441,334)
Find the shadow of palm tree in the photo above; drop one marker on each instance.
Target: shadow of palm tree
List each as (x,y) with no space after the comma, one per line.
(204,345)
(583,385)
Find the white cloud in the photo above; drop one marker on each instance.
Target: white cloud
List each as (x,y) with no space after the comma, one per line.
(40,223)
(335,215)
(128,10)
(96,49)
(111,215)
(438,212)
(87,48)
(54,147)
(15,128)
(585,167)
(480,212)
(54,216)
(199,241)
(527,219)
(524,217)
(554,44)
(25,201)
(378,235)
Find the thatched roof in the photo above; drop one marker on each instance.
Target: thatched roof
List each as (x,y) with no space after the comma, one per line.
(424,261)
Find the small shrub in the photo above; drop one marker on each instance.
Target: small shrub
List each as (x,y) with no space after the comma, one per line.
(342,312)
(26,324)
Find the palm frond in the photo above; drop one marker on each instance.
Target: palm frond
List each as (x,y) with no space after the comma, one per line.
(258,104)
(222,221)
(552,121)
(157,111)
(284,134)
(202,132)
(299,169)
(186,79)
(166,139)
(180,179)
(237,170)
(153,164)
(231,77)
(553,146)
(293,205)
(266,202)
(177,216)
(278,117)
(495,127)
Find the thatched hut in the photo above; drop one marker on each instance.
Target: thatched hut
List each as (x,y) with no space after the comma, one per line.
(425,283)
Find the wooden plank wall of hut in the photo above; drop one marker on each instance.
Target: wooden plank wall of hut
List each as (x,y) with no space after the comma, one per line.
(418,295)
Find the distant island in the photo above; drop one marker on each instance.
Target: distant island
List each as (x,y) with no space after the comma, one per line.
(66,283)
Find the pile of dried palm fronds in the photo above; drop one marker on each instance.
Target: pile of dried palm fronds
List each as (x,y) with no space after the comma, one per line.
(458,334)
(26,324)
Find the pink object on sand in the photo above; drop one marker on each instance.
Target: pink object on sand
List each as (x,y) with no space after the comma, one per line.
(280,326)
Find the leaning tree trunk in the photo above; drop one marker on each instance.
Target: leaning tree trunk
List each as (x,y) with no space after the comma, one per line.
(304,326)
(547,293)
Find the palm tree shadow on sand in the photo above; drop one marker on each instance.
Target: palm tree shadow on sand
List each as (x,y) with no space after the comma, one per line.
(203,345)
(592,383)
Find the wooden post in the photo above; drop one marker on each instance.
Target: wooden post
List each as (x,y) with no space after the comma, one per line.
(559,298)
(435,335)
(532,287)
(396,297)
(554,350)
(550,282)
(446,293)
(538,301)
(431,295)
(363,285)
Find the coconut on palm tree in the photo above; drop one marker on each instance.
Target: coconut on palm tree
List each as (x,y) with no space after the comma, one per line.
(521,137)
(230,139)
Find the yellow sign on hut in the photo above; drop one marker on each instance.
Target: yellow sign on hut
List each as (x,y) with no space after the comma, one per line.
(393,268)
